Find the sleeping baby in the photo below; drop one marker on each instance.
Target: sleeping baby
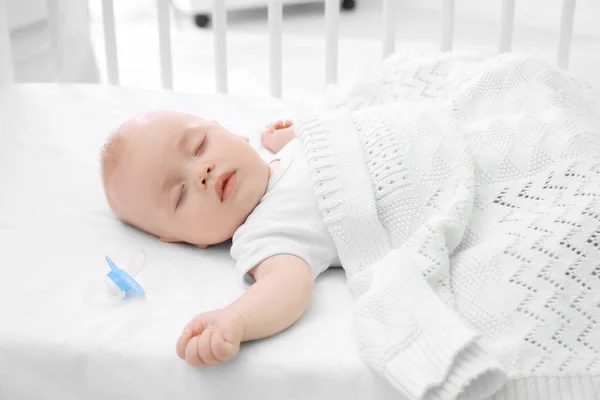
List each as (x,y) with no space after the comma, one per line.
(186,179)
(459,194)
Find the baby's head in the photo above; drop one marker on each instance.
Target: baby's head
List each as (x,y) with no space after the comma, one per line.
(182,178)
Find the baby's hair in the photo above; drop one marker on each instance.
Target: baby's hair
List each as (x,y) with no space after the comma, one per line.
(110,155)
(112,151)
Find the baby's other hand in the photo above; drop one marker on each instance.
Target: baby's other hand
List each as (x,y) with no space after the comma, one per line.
(211,338)
(277,135)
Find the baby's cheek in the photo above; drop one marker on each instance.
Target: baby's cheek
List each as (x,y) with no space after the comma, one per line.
(209,216)
(225,221)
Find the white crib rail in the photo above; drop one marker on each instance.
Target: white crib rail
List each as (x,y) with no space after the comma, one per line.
(164,40)
(275,46)
(220,32)
(389,27)
(110,42)
(508,23)
(447,32)
(54,26)
(332,15)
(7,73)
(566,33)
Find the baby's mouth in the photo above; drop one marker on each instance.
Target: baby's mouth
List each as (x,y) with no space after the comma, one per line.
(226,184)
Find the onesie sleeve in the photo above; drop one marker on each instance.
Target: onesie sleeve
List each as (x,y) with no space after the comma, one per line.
(253,243)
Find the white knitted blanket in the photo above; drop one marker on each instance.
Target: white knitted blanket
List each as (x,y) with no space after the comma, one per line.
(463,196)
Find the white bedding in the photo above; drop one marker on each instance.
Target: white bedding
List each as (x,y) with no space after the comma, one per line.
(55,229)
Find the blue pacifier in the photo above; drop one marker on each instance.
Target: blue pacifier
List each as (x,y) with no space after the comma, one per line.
(118,283)
(124,281)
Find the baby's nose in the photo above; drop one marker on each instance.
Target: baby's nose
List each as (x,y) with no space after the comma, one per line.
(204,175)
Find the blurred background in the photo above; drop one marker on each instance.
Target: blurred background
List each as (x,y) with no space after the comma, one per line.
(477,27)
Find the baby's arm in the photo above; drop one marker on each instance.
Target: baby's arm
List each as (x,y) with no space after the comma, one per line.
(281,294)
(277,135)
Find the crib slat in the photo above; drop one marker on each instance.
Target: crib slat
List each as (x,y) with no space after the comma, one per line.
(508,24)
(275,46)
(566,33)
(110,41)
(389,27)
(220,30)
(332,16)
(7,72)
(164,43)
(54,25)
(447,25)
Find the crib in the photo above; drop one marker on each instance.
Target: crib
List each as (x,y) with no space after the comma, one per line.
(55,229)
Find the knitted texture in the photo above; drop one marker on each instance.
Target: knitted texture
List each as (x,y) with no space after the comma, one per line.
(463,195)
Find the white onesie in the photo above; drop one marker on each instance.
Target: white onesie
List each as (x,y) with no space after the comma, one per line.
(287,220)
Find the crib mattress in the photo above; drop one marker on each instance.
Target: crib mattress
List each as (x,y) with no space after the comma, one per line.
(55,229)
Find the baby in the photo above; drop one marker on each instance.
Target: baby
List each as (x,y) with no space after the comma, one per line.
(185,179)
(461,197)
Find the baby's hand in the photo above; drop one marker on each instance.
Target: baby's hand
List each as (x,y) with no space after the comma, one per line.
(211,338)
(277,135)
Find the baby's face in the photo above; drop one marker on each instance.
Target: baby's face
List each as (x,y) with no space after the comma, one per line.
(185,179)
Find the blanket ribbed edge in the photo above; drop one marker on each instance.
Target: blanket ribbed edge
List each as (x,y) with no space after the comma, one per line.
(443,360)
(347,221)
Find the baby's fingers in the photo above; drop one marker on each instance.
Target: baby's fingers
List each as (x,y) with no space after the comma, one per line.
(191,353)
(182,342)
(196,326)
(204,347)
(223,350)
(283,124)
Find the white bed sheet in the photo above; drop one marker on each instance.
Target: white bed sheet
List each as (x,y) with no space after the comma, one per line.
(55,229)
